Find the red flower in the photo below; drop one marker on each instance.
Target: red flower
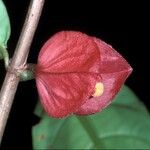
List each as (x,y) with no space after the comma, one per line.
(73,67)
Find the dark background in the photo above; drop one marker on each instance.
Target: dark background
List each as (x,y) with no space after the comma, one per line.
(124,25)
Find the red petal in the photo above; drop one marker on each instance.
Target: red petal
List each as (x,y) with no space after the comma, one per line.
(114,70)
(62,94)
(69,51)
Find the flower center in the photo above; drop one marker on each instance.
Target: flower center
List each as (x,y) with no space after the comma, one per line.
(99,89)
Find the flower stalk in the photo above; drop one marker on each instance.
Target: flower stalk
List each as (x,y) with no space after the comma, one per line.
(18,62)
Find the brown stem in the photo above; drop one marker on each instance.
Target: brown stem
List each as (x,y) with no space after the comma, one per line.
(19,59)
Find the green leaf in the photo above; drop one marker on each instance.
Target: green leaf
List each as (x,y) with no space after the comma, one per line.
(4,25)
(124,124)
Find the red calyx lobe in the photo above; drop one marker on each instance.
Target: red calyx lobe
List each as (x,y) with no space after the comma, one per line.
(67,72)
(69,66)
(114,70)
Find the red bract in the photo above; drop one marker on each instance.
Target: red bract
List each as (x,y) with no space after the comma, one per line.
(70,65)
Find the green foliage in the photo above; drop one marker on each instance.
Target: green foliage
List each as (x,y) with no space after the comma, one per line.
(4,26)
(124,124)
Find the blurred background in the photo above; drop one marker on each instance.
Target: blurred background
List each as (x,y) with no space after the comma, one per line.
(122,24)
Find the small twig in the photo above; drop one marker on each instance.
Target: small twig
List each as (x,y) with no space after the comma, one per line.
(5,56)
(11,81)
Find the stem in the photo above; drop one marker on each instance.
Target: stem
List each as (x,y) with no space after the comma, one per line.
(19,59)
(5,56)
(28,73)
